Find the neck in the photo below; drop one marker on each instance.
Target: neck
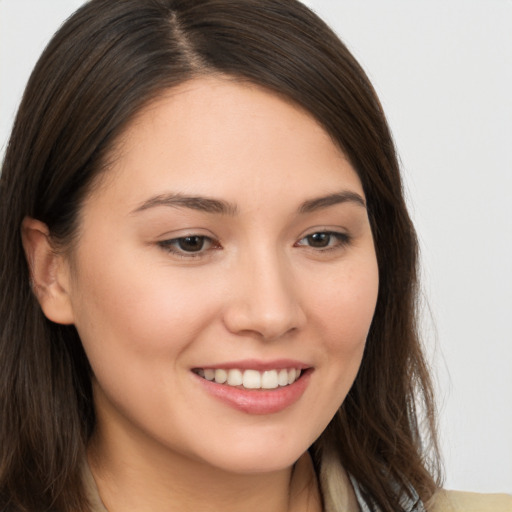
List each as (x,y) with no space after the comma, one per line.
(133,477)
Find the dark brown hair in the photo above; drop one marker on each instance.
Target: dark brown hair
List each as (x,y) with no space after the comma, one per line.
(102,67)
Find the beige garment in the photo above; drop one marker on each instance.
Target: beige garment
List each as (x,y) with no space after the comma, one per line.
(339,496)
(92,491)
(343,499)
(456,501)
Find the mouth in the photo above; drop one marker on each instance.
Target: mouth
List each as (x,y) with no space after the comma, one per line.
(250,379)
(256,387)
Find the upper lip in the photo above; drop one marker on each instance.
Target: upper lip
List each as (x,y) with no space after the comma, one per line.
(257,364)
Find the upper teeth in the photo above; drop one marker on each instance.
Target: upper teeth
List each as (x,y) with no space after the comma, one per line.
(252,379)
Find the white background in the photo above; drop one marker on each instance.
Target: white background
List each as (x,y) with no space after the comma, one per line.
(443,70)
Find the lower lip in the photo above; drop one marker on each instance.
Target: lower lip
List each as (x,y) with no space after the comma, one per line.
(258,401)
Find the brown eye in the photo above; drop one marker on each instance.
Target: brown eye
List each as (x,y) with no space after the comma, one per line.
(191,243)
(319,240)
(324,240)
(189,246)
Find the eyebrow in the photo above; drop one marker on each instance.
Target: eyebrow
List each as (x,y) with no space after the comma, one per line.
(203,204)
(221,207)
(330,200)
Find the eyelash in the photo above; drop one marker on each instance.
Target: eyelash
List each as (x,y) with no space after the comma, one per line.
(173,245)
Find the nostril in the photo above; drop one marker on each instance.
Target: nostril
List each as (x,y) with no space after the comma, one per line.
(263,300)
(268,326)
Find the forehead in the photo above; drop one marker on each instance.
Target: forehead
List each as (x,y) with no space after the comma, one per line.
(222,136)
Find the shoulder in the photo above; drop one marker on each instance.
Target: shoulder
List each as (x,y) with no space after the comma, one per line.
(456,501)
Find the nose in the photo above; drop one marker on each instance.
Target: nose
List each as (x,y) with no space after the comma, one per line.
(264,300)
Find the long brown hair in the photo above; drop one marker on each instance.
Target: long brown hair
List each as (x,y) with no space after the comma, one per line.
(105,64)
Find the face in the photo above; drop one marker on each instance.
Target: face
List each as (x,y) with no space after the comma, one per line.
(229,240)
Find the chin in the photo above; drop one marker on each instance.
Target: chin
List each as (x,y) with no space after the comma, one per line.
(248,464)
(257,456)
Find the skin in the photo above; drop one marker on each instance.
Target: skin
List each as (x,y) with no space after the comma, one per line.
(149,312)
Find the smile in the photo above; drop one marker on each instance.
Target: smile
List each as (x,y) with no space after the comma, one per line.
(251,379)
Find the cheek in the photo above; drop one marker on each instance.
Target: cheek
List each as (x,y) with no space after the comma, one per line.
(341,313)
(346,303)
(136,323)
(345,311)
(137,311)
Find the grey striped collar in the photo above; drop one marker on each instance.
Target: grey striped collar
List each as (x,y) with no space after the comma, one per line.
(410,503)
(342,493)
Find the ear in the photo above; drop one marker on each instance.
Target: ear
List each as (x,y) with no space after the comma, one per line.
(49,272)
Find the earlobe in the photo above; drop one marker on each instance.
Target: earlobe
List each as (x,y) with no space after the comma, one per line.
(49,272)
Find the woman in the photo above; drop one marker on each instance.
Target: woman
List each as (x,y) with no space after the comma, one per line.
(211,273)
